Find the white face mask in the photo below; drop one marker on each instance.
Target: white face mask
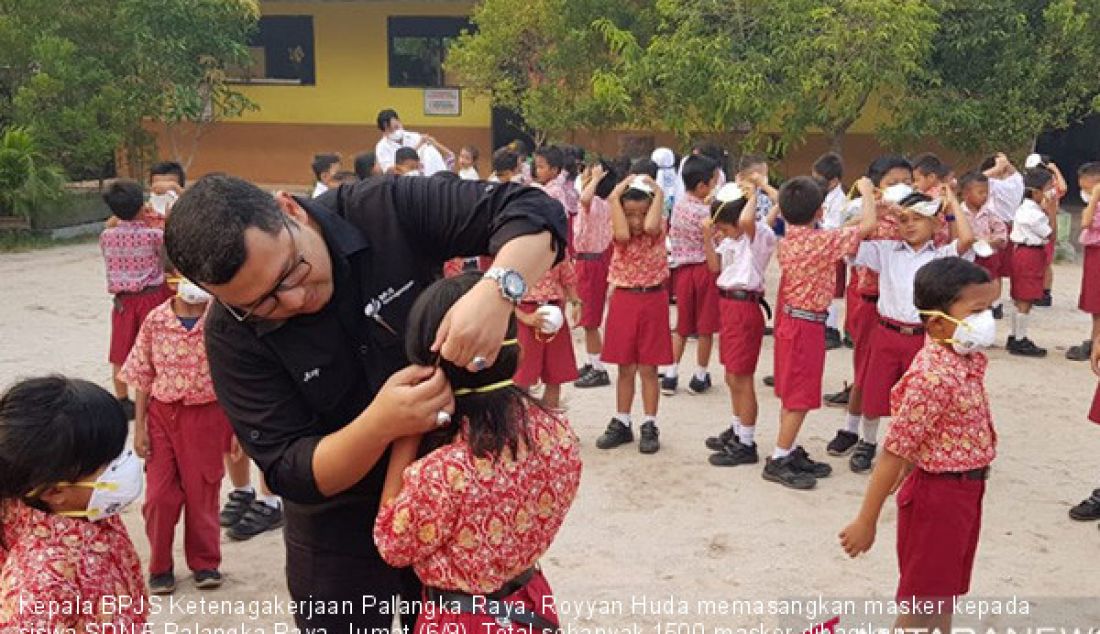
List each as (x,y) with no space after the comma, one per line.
(414,173)
(161,203)
(191,293)
(1086,197)
(896,193)
(115,489)
(971,334)
(397,135)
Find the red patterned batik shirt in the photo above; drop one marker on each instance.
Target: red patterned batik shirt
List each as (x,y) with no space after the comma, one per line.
(808,258)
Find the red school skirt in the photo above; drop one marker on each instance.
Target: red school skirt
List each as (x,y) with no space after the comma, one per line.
(1028,266)
(637,329)
(998,265)
(550,360)
(1090,281)
(864,322)
(534,597)
(129,311)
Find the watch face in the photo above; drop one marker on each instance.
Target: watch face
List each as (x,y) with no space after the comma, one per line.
(514,285)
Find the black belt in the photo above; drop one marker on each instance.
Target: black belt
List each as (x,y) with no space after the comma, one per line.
(493,605)
(905,330)
(1029,246)
(589,256)
(551,302)
(869,298)
(642,289)
(746,296)
(806,315)
(973,474)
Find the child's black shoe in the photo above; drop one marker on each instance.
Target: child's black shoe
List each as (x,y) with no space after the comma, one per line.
(832,339)
(164,583)
(1026,348)
(594,378)
(863,458)
(1089,510)
(235,507)
(669,385)
(719,442)
(842,444)
(838,399)
(783,471)
(1046,302)
(999,311)
(804,463)
(648,442)
(699,386)
(769,380)
(734,454)
(617,433)
(208,579)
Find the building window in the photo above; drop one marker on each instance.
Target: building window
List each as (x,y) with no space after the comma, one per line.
(282,52)
(418,47)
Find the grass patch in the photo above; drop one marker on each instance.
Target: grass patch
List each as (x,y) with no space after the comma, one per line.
(22,241)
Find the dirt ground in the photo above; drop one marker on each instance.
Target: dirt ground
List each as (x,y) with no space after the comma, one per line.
(667,543)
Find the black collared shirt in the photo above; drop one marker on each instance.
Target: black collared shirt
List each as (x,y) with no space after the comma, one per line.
(285,385)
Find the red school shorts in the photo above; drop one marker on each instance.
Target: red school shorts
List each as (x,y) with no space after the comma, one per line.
(1094,411)
(1028,266)
(550,361)
(741,336)
(534,597)
(130,309)
(888,357)
(841,279)
(637,330)
(851,303)
(997,265)
(592,286)
(799,362)
(864,323)
(1048,249)
(939,521)
(696,289)
(1090,281)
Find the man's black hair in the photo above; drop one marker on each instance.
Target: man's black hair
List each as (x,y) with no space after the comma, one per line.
(55,429)
(829,166)
(165,168)
(800,199)
(553,156)
(364,165)
(385,117)
(971,178)
(406,154)
(929,163)
(883,165)
(125,198)
(698,169)
(204,234)
(505,160)
(644,166)
(939,283)
(323,163)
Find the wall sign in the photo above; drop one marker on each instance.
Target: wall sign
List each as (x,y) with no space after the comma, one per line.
(442,102)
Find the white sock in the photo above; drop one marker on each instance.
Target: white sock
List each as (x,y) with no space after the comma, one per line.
(779,453)
(594,361)
(701,373)
(650,419)
(834,315)
(747,434)
(853,423)
(623,418)
(735,424)
(248,488)
(272,501)
(1019,325)
(671,371)
(870,430)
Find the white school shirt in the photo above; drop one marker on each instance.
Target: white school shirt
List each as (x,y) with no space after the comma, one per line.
(1030,225)
(836,209)
(469,174)
(1005,195)
(385,153)
(897,263)
(744,263)
(318,189)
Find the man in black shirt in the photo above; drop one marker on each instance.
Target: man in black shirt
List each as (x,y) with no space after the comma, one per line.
(306,345)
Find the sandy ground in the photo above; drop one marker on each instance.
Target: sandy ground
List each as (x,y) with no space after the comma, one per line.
(647,533)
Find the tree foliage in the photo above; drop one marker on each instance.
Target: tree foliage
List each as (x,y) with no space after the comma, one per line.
(27,177)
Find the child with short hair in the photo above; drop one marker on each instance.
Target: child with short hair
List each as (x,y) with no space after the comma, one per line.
(467,163)
(366,166)
(406,162)
(135,275)
(988,228)
(829,169)
(808,258)
(742,262)
(1088,180)
(1031,230)
(638,332)
(1006,190)
(325,167)
(754,168)
(182,433)
(693,282)
(930,174)
(898,333)
(67,475)
(939,447)
(547,346)
(477,512)
(592,247)
(505,166)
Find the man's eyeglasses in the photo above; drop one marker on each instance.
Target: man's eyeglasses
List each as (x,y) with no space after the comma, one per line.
(291,279)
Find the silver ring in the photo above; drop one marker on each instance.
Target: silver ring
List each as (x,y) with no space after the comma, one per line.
(480,363)
(442,419)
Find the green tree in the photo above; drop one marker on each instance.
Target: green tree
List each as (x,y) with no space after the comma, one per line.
(1001,72)
(27,177)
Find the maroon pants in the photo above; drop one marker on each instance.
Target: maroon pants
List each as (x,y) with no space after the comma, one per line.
(183,471)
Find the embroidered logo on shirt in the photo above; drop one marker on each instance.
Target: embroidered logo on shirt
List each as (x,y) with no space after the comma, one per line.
(311,374)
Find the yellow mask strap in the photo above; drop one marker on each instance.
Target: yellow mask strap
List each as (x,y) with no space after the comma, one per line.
(509,342)
(87,514)
(714,216)
(493,387)
(940,313)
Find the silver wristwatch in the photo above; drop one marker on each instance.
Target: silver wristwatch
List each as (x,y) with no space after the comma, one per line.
(512,285)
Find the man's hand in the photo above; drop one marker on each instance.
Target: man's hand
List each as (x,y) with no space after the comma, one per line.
(141,439)
(411,399)
(857,537)
(474,326)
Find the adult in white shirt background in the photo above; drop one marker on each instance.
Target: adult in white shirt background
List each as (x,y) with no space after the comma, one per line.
(395,137)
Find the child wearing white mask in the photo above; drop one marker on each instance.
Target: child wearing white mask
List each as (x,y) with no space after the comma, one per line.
(66,477)
(182,433)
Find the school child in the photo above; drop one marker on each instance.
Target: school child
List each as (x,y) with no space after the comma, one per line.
(548,347)
(505,166)
(693,282)
(66,477)
(897,335)
(930,174)
(406,162)
(808,258)
(549,172)
(987,226)
(135,275)
(1089,509)
(366,166)
(1006,190)
(941,442)
(325,167)
(829,169)
(477,512)
(166,182)
(182,433)
(523,175)
(467,163)
(754,168)
(1088,180)
(1060,190)
(638,336)
(742,262)
(592,244)
(1031,229)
